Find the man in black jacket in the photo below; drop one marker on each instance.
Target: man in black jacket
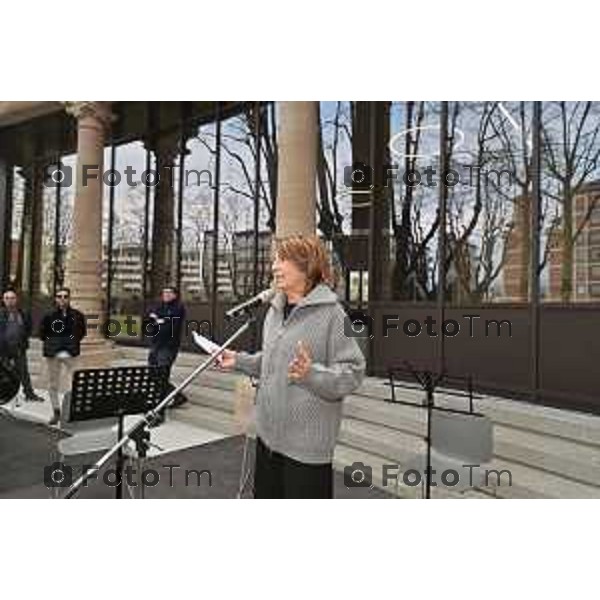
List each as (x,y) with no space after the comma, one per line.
(62,331)
(163,325)
(15,331)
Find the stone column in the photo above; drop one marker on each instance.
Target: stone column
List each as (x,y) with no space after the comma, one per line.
(84,267)
(297,160)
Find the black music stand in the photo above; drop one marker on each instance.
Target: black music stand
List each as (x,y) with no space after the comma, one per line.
(116,392)
(137,431)
(429,380)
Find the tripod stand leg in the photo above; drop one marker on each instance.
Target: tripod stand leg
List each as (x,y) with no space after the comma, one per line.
(140,490)
(130,488)
(428,465)
(119,465)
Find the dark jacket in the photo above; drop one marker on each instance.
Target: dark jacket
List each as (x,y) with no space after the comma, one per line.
(63,332)
(167,334)
(14,346)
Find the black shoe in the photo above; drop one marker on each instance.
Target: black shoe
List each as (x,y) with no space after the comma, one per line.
(179,400)
(33,398)
(55,418)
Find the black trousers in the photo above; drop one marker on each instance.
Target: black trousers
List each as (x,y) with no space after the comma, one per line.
(19,361)
(165,356)
(279,476)
(162,356)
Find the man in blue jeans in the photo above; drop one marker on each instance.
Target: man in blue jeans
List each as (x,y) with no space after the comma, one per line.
(164,323)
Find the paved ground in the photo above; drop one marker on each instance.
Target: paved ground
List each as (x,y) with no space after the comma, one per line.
(27,448)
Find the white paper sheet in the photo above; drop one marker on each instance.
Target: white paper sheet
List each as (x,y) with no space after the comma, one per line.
(204,343)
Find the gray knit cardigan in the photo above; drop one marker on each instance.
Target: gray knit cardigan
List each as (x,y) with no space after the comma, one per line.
(302,419)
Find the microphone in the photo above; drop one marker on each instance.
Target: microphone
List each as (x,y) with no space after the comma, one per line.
(262,298)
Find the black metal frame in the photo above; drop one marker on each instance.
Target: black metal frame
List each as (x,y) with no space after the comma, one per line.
(6,205)
(151,133)
(188,120)
(184,114)
(216,200)
(111,224)
(534,271)
(429,380)
(57,281)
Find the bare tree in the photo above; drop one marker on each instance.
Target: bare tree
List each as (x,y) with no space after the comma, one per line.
(238,144)
(571,152)
(56,264)
(334,141)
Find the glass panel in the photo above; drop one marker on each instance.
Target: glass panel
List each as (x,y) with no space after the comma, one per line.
(334,198)
(196,266)
(414,154)
(18,195)
(571,194)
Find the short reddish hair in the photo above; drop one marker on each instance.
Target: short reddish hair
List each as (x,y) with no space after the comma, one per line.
(309,254)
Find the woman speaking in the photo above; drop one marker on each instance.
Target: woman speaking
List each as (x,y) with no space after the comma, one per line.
(305,368)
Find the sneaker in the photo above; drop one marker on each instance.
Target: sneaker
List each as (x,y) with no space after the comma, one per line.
(55,418)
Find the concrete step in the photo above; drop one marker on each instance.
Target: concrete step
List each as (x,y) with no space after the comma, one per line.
(564,424)
(564,458)
(550,452)
(527,483)
(581,427)
(211,397)
(346,456)
(547,471)
(208,418)
(561,465)
(381,441)
(211,378)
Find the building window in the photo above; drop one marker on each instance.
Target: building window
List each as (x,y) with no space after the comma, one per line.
(595,290)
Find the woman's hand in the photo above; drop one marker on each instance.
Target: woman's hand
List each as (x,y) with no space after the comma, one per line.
(300,365)
(226,360)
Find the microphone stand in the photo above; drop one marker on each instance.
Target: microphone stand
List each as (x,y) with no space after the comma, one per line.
(138,432)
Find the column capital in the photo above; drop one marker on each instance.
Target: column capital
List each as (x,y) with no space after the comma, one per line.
(98,110)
